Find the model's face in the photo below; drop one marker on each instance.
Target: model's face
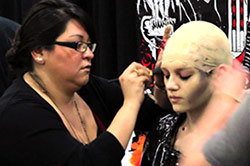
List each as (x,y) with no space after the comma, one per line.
(67,65)
(194,50)
(188,88)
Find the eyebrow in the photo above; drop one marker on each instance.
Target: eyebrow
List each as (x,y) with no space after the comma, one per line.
(179,69)
(77,35)
(186,68)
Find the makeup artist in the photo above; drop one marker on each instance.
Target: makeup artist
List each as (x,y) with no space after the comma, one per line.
(56,112)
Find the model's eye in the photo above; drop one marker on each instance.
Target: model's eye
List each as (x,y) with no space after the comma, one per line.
(167,76)
(185,77)
(166,73)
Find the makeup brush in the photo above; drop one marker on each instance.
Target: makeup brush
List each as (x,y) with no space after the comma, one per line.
(156,71)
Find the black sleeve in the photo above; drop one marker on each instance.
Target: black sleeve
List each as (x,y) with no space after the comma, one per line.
(104,98)
(33,134)
(149,115)
(108,94)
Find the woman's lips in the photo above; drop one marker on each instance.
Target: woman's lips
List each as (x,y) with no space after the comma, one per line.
(85,69)
(174,99)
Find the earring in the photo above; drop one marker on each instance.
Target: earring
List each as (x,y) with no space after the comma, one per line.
(40,59)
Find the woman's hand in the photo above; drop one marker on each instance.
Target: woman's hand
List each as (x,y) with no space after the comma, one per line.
(133,81)
(231,80)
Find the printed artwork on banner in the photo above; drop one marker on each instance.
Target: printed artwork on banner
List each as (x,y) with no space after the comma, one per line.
(133,153)
(232,16)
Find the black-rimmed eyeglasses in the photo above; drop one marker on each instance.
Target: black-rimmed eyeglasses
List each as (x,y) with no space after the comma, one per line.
(78,46)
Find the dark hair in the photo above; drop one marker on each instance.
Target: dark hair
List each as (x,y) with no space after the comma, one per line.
(45,21)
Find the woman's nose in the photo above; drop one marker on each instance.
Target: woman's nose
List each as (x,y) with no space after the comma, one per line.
(88,54)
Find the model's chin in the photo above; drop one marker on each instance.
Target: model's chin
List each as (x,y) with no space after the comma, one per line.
(179,108)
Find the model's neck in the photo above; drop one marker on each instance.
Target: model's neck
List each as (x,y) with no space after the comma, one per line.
(193,117)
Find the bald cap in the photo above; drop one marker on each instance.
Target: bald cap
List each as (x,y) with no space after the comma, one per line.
(200,44)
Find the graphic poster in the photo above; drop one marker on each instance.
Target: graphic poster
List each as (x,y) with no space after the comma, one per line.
(232,16)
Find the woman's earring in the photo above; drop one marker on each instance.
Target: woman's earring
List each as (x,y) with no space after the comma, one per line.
(40,59)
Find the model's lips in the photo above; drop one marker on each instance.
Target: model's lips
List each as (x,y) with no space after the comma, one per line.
(174,99)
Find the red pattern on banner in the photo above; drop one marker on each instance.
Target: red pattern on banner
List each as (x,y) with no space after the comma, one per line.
(234,10)
(241,57)
(242,23)
(146,60)
(137,147)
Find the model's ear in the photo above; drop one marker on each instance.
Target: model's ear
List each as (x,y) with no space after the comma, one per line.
(220,69)
(37,55)
(218,73)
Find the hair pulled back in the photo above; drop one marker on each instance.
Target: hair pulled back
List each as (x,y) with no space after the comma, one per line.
(45,21)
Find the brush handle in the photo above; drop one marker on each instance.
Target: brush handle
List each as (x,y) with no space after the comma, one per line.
(157,71)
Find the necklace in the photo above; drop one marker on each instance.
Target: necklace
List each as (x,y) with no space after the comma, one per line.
(82,122)
(35,78)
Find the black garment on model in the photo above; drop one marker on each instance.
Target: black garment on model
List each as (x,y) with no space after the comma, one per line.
(33,134)
(159,145)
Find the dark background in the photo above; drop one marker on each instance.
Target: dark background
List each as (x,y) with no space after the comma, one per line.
(115,29)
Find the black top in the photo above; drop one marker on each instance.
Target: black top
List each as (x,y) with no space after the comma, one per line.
(32,133)
(159,145)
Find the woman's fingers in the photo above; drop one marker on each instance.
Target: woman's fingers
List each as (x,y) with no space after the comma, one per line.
(133,81)
(167,32)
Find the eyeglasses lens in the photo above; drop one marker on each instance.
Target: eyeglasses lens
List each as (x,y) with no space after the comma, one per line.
(82,47)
